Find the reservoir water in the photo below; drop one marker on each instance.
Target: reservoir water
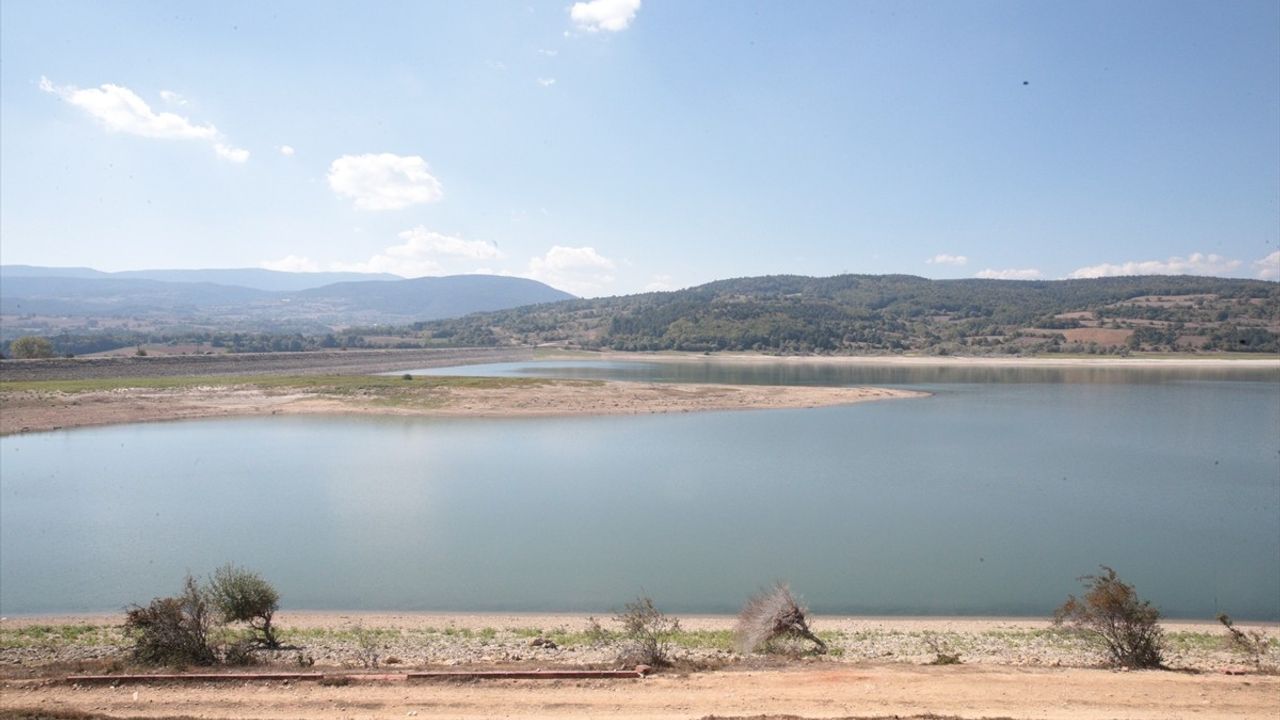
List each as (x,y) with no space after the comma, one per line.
(988,498)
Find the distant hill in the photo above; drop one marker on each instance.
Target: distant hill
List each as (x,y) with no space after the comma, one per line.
(434,297)
(86,301)
(255,278)
(895,313)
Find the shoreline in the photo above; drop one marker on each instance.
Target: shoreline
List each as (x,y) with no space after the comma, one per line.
(476,620)
(1263,362)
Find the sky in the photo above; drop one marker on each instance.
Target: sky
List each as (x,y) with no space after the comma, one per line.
(619,146)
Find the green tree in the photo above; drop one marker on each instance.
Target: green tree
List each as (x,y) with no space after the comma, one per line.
(30,347)
(243,596)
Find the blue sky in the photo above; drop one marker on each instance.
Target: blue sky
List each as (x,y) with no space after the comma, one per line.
(612,146)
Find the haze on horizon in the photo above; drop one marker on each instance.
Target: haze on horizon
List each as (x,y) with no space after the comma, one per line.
(615,146)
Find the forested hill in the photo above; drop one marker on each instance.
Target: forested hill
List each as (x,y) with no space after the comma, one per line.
(894,313)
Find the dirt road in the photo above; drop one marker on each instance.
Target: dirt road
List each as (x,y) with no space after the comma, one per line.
(817,690)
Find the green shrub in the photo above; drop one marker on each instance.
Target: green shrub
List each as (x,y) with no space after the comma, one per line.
(31,347)
(243,596)
(1112,612)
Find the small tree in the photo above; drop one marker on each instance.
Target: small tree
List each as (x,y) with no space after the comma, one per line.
(173,630)
(30,347)
(1254,643)
(771,614)
(1112,611)
(648,633)
(243,596)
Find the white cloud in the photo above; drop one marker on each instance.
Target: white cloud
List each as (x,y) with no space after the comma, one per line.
(945,259)
(1010,274)
(597,15)
(121,110)
(384,181)
(1268,268)
(172,97)
(420,241)
(234,154)
(287,150)
(423,252)
(1193,264)
(546,82)
(291,263)
(659,283)
(580,270)
(548,53)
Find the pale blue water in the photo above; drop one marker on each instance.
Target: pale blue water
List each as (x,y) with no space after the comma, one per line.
(990,497)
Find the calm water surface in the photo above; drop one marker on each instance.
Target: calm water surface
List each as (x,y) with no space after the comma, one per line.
(988,498)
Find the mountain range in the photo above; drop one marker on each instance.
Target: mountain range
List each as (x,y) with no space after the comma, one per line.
(34,299)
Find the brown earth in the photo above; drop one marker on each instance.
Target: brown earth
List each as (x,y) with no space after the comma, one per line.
(811,690)
(33,411)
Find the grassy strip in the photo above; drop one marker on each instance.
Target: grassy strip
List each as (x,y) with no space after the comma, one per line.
(329,384)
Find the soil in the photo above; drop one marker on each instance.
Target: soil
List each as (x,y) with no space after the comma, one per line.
(34,411)
(813,690)
(1009,670)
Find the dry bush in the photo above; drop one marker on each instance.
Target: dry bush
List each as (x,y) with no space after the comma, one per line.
(773,614)
(1112,612)
(1253,643)
(647,633)
(173,630)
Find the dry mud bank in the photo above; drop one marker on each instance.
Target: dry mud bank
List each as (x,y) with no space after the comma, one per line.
(32,410)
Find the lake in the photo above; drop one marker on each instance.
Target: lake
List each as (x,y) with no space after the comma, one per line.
(988,498)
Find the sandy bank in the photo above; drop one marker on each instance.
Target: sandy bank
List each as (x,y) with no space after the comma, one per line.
(32,411)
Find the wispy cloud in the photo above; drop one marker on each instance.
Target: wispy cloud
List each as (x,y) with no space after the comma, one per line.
(172,97)
(1268,268)
(579,270)
(120,109)
(608,15)
(287,150)
(945,259)
(1010,274)
(659,283)
(234,154)
(546,82)
(423,252)
(291,263)
(1193,264)
(384,181)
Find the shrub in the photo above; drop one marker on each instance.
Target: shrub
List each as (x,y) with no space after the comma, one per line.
(368,649)
(173,630)
(243,596)
(30,347)
(1253,643)
(1112,612)
(773,614)
(647,633)
(942,654)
